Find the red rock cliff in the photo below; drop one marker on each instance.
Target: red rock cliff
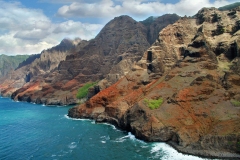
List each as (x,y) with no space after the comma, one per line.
(194,68)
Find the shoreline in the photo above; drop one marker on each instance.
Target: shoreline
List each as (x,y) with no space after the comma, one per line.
(179,149)
(122,130)
(206,154)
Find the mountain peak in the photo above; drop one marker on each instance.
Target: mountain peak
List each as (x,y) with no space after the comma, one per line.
(67,41)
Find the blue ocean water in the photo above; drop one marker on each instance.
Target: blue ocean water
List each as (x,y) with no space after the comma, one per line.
(30,131)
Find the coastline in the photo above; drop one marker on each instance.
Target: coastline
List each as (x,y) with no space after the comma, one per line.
(116,125)
(170,144)
(116,122)
(184,150)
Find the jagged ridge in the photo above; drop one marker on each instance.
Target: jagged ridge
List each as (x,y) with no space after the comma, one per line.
(122,39)
(193,67)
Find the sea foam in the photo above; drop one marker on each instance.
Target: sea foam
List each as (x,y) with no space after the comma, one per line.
(170,153)
(76,119)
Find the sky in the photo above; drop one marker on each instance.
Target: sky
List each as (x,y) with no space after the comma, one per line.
(30,26)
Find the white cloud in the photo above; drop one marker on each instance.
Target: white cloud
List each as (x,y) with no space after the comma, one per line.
(28,31)
(135,8)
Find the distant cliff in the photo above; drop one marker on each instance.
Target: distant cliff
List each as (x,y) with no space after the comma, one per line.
(229,7)
(8,63)
(55,81)
(36,66)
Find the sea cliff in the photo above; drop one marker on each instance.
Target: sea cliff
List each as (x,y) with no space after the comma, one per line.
(193,71)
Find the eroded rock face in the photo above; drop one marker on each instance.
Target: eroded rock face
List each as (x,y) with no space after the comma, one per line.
(35,67)
(110,55)
(133,54)
(194,69)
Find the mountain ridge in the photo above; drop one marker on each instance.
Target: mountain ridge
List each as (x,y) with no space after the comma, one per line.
(122,39)
(193,69)
(8,63)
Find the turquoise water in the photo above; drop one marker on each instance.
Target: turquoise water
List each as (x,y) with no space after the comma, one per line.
(29,131)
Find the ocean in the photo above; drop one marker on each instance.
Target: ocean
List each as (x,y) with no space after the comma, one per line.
(36,132)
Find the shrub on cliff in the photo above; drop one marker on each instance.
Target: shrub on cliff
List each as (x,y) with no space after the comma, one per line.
(83,91)
(235,103)
(153,104)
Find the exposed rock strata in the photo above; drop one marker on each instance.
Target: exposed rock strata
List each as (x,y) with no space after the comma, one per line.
(121,42)
(194,68)
(35,67)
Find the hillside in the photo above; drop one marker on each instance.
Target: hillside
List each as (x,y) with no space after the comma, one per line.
(8,63)
(229,7)
(37,66)
(119,44)
(183,91)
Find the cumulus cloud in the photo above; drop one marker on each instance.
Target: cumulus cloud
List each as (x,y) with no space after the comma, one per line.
(28,31)
(136,8)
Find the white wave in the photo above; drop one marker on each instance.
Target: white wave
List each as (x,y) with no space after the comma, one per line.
(144,146)
(76,119)
(61,106)
(105,138)
(103,141)
(72,145)
(129,136)
(108,124)
(170,153)
(119,140)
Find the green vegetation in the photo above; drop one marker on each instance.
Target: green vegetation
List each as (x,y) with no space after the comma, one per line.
(83,91)
(154,104)
(8,63)
(229,7)
(148,21)
(238,146)
(235,103)
(14,60)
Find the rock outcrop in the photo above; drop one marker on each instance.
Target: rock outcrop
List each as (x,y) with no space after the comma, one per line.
(33,68)
(194,68)
(119,44)
(124,61)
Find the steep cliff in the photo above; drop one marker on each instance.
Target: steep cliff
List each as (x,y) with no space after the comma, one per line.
(8,63)
(184,90)
(121,42)
(156,24)
(36,66)
(153,25)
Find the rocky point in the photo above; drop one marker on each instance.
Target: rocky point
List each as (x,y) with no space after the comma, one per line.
(194,68)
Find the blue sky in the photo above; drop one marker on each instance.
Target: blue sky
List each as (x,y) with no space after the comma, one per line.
(30,26)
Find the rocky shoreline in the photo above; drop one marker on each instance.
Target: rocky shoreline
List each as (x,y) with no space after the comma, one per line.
(183,90)
(193,68)
(191,150)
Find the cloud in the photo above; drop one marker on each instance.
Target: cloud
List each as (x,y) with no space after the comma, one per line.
(135,8)
(28,31)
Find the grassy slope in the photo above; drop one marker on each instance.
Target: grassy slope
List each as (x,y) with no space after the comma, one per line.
(10,62)
(83,91)
(229,7)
